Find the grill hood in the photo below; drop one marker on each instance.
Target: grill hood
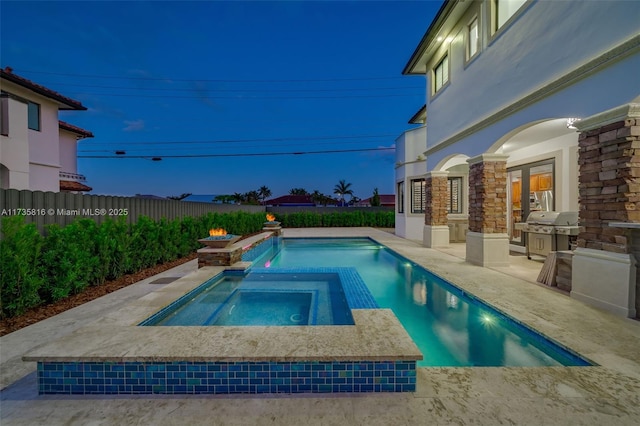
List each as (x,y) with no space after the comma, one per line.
(553,218)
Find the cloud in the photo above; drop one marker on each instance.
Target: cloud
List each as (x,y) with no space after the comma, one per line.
(134,125)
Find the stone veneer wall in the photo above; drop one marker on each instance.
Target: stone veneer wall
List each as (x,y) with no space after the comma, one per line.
(609,184)
(488,197)
(435,208)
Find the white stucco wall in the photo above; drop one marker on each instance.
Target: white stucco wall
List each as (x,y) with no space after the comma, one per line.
(68,152)
(545,42)
(14,148)
(43,145)
(409,147)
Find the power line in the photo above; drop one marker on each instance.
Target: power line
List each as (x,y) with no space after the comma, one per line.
(307,80)
(231,90)
(252,154)
(303,138)
(249,97)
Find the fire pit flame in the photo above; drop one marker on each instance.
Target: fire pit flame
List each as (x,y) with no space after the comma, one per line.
(270,217)
(217,232)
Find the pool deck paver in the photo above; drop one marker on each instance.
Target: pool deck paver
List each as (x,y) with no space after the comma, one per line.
(606,394)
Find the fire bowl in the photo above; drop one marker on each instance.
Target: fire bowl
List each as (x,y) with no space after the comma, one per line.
(220,241)
(271,224)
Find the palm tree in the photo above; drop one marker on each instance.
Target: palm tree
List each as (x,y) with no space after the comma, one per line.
(342,189)
(179,197)
(375,200)
(298,191)
(264,193)
(252,197)
(238,197)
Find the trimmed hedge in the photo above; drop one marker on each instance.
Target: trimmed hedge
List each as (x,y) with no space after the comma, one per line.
(380,219)
(38,269)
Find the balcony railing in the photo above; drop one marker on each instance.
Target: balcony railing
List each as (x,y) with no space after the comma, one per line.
(72,176)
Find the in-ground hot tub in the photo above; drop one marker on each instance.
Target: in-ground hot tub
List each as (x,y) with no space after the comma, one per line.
(117,356)
(271,297)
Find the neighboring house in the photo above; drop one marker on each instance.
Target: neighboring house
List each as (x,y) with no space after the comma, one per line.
(201,198)
(386,200)
(37,150)
(291,200)
(507,84)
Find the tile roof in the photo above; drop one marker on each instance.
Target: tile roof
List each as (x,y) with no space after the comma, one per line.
(291,199)
(74,129)
(67,103)
(68,185)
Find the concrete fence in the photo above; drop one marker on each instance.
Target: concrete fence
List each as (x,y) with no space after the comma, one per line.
(44,208)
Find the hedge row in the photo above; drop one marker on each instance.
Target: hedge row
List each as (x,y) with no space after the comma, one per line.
(380,219)
(37,269)
(40,269)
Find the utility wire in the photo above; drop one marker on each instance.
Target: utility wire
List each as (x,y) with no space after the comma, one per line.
(307,80)
(242,97)
(200,90)
(252,154)
(306,138)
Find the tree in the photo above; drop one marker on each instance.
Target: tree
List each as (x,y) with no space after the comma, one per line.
(226,199)
(342,189)
(251,197)
(238,197)
(298,191)
(179,197)
(264,193)
(375,200)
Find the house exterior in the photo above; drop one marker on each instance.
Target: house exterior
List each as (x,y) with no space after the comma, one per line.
(386,200)
(37,151)
(513,89)
(291,200)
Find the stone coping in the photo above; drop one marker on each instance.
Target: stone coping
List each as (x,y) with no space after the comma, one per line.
(376,335)
(238,244)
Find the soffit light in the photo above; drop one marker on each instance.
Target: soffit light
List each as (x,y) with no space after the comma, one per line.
(571,123)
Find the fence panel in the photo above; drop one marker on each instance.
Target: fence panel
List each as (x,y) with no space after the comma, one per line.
(63,208)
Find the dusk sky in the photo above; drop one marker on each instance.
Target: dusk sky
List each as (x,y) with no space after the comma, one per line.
(213,87)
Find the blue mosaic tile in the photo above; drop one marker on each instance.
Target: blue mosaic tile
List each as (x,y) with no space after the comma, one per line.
(228,378)
(260,249)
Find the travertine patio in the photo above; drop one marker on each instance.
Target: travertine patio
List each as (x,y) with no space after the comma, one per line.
(605,394)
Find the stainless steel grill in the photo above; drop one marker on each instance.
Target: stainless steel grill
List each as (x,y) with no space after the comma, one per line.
(549,231)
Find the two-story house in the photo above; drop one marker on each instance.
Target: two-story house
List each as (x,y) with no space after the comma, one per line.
(37,150)
(513,87)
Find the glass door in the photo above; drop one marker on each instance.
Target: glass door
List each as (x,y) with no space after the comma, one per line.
(530,188)
(515,200)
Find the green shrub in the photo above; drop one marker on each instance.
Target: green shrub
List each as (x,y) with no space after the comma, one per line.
(20,256)
(70,259)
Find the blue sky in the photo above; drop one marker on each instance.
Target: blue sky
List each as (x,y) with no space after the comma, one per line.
(196,79)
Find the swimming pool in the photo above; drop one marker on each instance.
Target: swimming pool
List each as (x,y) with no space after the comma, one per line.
(260,298)
(449,326)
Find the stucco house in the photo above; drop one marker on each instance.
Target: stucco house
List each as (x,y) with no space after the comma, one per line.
(37,150)
(530,106)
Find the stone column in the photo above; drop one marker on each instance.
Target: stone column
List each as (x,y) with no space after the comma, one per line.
(604,268)
(436,228)
(487,239)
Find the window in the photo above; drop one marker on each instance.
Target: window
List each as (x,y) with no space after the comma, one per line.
(472,38)
(417,195)
(505,9)
(454,194)
(34,116)
(400,195)
(441,74)
(4,115)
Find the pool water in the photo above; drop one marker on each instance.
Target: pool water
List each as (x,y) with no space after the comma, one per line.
(260,299)
(450,327)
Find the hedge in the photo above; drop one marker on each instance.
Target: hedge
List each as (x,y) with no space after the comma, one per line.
(37,269)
